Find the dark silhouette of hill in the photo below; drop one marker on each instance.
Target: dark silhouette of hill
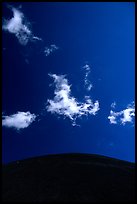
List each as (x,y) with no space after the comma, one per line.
(68,178)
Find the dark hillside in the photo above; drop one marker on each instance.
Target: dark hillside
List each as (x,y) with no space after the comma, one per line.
(69,177)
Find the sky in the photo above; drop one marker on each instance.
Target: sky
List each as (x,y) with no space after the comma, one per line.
(68,81)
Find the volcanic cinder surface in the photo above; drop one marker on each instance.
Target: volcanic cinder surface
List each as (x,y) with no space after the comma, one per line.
(68,178)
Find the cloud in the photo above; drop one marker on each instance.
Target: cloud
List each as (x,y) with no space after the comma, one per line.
(49,50)
(87,82)
(64,104)
(36,38)
(124,116)
(112,117)
(113,105)
(19,120)
(18,26)
(128,114)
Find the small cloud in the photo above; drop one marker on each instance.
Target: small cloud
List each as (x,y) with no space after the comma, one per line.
(87,68)
(20,120)
(89,86)
(36,38)
(49,50)
(128,115)
(65,104)
(112,117)
(113,105)
(124,116)
(18,26)
(87,82)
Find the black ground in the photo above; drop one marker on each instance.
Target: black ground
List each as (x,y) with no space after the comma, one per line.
(68,177)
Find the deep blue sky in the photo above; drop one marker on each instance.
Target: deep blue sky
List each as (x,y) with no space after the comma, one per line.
(102,34)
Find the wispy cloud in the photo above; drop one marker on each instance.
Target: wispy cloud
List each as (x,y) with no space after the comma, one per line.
(124,116)
(87,82)
(50,49)
(113,105)
(19,26)
(64,104)
(19,120)
(36,38)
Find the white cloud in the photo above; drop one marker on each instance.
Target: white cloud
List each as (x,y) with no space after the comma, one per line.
(19,120)
(87,82)
(18,26)
(36,38)
(87,68)
(124,116)
(128,115)
(112,117)
(113,105)
(66,105)
(89,86)
(49,50)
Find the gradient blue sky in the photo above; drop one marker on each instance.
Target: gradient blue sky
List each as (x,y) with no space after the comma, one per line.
(101,35)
